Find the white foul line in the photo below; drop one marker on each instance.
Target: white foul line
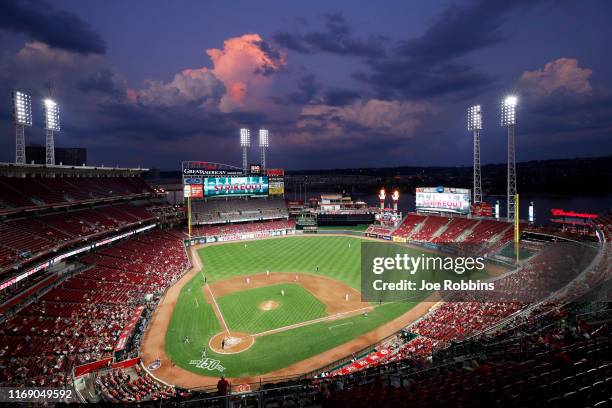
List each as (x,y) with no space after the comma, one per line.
(339,325)
(218,309)
(309,322)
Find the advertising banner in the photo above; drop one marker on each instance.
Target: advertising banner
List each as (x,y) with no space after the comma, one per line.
(277,188)
(275,173)
(482,209)
(127,331)
(362,363)
(192,180)
(255,169)
(236,186)
(443,199)
(197,191)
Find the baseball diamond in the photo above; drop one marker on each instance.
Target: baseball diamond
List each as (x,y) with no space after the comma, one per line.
(313,283)
(305,204)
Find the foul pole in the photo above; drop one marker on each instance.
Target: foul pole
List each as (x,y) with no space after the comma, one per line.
(517,232)
(189,216)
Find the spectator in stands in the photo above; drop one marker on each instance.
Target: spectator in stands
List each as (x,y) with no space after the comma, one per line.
(223,386)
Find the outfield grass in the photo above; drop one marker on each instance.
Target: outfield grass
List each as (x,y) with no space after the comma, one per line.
(242,313)
(338,257)
(333,255)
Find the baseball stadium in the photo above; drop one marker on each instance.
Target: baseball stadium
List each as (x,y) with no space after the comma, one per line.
(317,234)
(110,280)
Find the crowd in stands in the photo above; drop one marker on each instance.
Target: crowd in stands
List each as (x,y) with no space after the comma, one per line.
(79,320)
(242,228)
(30,237)
(481,235)
(575,268)
(563,367)
(21,193)
(566,364)
(131,385)
(219,211)
(379,230)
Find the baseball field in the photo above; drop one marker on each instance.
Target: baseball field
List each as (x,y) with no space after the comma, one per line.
(257,307)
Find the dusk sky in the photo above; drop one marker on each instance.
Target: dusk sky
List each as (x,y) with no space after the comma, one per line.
(337,83)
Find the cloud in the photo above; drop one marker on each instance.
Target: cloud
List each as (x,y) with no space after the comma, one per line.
(241,72)
(42,22)
(100,112)
(292,42)
(335,38)
(374,116)
(198,87)
(339,97)
(244,65)
(562,111)
(104,81)
(429,65)
(307,88)
(560,75)
(460,30)
(396,77)
(37,64)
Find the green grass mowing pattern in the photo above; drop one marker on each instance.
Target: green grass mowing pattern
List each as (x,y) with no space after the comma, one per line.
(192,317)
(279,350)
(293,254)
(242,313)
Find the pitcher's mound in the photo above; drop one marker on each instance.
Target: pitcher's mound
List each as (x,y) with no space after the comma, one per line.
(234,342)
(268,305)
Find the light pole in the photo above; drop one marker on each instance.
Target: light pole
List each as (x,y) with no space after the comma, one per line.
(508,120)
(22,116)
(245,143)
(52,124)
(475,126)
(264,143)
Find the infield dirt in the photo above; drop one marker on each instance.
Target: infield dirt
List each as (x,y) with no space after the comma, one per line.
(153,344)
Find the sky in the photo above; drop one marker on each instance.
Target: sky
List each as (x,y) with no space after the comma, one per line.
(338,84)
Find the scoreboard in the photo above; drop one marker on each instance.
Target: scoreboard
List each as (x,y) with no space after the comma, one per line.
(236,186)
(207,179)
(443,199)
(277,181)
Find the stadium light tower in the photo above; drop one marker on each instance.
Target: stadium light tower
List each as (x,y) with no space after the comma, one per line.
(245,143)
(52,124)
(264,143)
(22,115)
(475,126)
(508,120)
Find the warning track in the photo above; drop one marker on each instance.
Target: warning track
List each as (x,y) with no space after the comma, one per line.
(153,344)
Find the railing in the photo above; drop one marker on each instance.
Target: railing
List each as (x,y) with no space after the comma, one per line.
(291,392)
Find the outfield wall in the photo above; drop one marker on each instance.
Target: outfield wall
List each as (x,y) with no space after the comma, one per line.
(238,237)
